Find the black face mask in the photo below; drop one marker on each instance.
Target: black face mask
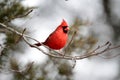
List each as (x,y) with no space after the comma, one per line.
(64,29)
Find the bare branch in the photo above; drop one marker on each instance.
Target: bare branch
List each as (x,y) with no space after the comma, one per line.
(105,47)
(25,14)
(22,71)
(71,38)
(21,16)
(28,68)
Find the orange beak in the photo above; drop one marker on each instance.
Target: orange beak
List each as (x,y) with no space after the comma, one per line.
(67,29)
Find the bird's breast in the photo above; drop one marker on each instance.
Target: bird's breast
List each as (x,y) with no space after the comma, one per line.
(56,40)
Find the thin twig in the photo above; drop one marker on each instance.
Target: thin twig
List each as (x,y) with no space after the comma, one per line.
(21,16)
(92,53)
(74,33)
(20,36)
(28,68)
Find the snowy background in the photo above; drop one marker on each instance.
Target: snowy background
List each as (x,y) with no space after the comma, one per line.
(50,13)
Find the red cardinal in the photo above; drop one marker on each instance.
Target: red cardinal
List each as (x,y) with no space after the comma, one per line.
(58,38)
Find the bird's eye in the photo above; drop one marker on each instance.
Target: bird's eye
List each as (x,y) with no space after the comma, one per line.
(64,26)
(65,29)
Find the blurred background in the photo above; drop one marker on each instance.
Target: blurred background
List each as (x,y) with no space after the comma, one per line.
(95,23)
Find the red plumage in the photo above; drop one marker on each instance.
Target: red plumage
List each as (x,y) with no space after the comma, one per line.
(58,38)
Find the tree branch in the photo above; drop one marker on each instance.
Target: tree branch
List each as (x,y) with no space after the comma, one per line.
(106,46)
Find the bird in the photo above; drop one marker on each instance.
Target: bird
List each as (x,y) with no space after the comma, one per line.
(58,38)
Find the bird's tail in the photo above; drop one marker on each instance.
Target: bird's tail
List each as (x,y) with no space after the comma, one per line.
(37,44)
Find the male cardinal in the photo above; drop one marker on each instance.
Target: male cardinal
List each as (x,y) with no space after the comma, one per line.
(58,38)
